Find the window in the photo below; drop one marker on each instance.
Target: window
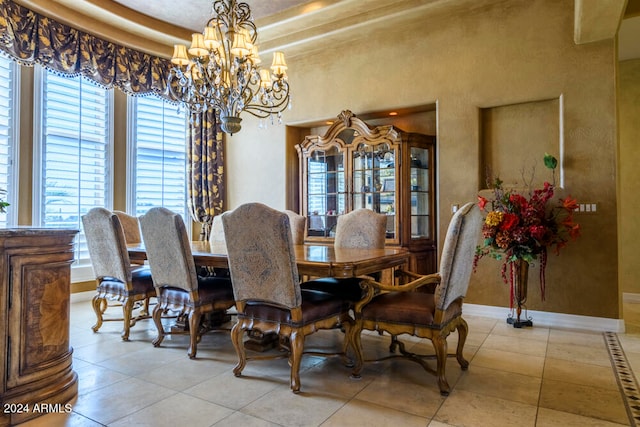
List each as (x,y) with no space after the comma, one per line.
(73,154)
(158,138)
(8,139)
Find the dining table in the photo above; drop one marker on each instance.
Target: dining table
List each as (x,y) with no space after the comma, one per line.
(312,259)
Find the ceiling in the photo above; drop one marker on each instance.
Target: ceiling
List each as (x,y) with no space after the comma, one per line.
(195,13)
(155,26)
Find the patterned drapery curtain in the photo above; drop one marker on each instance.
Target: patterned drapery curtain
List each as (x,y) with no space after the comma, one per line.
(206,170)
(30,38)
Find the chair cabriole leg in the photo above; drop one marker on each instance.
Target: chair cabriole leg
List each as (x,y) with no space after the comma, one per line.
(194,333)
(347,344)
(145,307)
(297,346)
(157,320)
(97,308)
(237,332)
(440,346)
(463,330)
(127,308)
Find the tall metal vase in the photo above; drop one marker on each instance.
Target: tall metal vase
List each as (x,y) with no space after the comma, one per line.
(520,282)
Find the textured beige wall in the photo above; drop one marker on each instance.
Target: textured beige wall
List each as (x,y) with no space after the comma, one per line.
(509,53)
(255,160)
(629,175)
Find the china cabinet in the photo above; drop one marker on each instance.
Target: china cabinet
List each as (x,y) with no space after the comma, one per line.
(382,168)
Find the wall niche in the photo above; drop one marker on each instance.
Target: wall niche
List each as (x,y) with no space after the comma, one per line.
(514,139)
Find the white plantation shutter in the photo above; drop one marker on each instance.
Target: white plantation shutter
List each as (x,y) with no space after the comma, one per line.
(8,129)
(159,147)
(75,153)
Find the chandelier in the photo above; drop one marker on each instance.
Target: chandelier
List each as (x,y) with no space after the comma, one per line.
(221,70)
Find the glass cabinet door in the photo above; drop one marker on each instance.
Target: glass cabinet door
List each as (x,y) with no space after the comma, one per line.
(374,182)
(326,195)
(419,194)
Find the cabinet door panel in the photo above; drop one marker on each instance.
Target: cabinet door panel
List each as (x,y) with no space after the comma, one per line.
(39,315)
(374,181)
(326,190)
(420,193)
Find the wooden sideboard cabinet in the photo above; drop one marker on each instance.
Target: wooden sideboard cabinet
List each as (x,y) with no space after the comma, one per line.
(354,165)
(36,371)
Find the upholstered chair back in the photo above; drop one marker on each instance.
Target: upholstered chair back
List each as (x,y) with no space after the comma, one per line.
(361,228)
(297,223)
(107,244)
(131,227)
(168,249)
(261,257)
(456,262)
(217,231)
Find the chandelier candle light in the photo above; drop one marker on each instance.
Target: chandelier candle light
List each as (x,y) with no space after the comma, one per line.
(221,70)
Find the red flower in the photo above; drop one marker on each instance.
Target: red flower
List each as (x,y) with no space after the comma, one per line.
(568,221)
(519,201)
(482,202)
(569,204)
(559,246)
(537,231)
(509,221)
(574,231)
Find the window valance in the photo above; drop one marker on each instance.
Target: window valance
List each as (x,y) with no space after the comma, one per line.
(31,38)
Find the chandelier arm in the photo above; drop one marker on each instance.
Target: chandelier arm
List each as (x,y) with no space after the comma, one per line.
(263,111)
(222,11)
(259,112)
(266,105)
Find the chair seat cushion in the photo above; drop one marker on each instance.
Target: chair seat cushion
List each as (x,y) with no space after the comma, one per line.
(141,281)
(411,308)
(315,306)
(210,289)
(348,288)
(141,278)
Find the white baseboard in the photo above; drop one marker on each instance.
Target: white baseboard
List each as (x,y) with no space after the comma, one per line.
(548,319)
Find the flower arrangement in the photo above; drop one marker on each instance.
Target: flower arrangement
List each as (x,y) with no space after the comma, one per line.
(521,228)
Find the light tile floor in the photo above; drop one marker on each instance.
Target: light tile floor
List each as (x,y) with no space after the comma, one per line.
(525,377)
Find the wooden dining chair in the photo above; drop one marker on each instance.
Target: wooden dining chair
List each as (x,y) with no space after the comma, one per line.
(116,278)
(131,227)
(216,238)
(358,229)
(298,224)
(217,231)
(403,309)
(179,288)
(267,289)
(361,229)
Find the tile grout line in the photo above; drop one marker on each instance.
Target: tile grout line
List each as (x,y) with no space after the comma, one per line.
(627,382)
